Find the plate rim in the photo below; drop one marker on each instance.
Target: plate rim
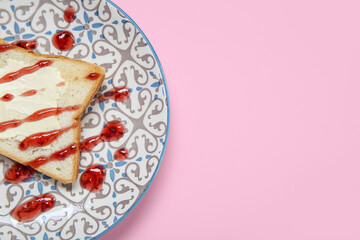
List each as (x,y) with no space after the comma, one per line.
(166,101)
(167,126)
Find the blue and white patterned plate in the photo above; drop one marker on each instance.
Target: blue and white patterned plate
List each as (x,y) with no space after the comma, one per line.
(105,35)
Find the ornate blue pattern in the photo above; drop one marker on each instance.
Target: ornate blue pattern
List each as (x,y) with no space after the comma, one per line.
(106,36)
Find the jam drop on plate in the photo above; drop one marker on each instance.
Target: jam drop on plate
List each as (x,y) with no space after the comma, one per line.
(18,173)
(33,208)
(93,178)
(119,94)
(69,14)
(112,131)
(121,154)
(63,40)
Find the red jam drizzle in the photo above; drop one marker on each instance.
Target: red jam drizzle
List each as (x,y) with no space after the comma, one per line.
(18,173)
(6,47)
(7,97)
(93,178)
(29,93)
(69,14)
(57,156)
(121,154)
(26,44)
(33,208)
(42,139)
(60,84)
(119,94)
(36,116)
(93,76)
(63,40)
(112,131)
(26,70)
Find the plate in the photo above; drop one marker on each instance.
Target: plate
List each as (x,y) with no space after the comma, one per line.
(107,36)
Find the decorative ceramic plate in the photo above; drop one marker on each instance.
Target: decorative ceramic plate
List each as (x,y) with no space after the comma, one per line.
(106,36)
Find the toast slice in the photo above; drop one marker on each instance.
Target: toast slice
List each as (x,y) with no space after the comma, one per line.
(41,100)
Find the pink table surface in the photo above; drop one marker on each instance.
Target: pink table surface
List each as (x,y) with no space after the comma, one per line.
(265,121)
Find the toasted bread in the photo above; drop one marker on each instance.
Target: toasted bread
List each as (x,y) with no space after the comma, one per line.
(55,108)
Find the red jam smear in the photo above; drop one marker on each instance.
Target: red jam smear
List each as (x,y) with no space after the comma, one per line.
(29,93)
(93,178)
(26,70)
(6,47)
(69,14)
(112,131)
(60,84)
(63,40)
(119,94)
(34,207)
(57,156)
(36,116)
(26,44)
(121,154)
(43,139)
(93,76)
(18,173)
(7,97)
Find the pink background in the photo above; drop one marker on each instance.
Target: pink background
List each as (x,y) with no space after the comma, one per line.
(265,121)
